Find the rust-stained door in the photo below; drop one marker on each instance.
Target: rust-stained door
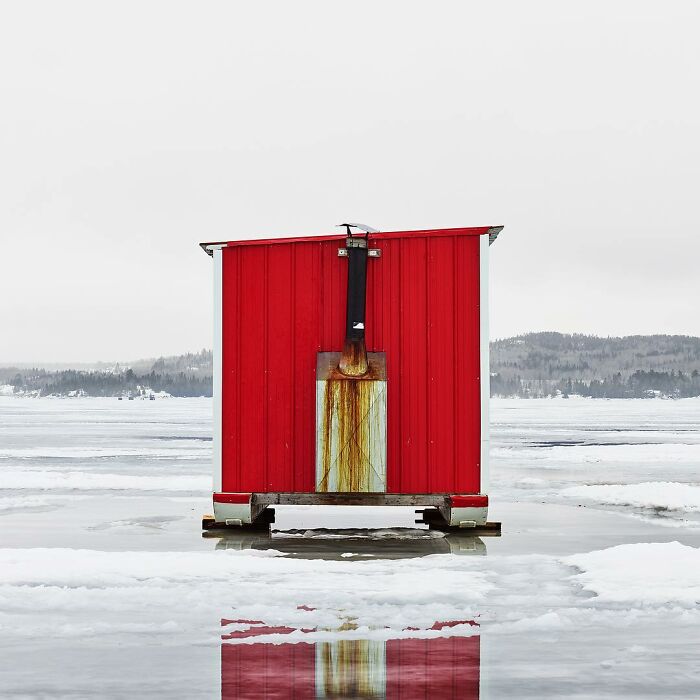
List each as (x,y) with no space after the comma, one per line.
(350,427)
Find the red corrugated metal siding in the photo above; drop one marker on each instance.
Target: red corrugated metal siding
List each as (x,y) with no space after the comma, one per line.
(446,668)
(250,672)
(285,301)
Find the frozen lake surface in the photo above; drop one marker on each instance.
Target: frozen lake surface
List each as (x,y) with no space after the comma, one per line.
(108,589)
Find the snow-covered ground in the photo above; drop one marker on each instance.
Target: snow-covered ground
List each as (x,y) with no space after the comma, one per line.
(108,589)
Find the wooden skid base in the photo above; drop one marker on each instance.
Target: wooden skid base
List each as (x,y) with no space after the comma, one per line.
(439,514)
(351,499)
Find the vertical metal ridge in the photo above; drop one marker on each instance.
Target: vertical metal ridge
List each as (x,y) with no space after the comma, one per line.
(318,294)
(239,336)
(266,370)
(322,309)
(399,369)
(429,453)
(455,315)
(293,355)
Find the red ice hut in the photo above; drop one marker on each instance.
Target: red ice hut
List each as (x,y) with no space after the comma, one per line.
(352,369)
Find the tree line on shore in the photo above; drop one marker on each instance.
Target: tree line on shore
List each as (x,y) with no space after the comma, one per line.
(98,383)
(179,375)
(528,366)
(639,385)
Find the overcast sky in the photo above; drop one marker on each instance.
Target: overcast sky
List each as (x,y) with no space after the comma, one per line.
(131,131)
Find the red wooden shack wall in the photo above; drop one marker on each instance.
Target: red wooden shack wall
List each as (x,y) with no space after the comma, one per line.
(285,301)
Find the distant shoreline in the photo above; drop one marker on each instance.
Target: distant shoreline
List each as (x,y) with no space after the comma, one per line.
(533,365)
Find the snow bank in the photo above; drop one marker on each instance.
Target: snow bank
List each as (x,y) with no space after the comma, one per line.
(660,573)
(380,597)
(85,593)
(659,495)
(88,481)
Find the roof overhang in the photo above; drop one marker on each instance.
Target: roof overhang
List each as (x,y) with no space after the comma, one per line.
(492,232)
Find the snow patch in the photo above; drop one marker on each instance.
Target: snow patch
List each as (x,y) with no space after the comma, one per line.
(658,573)
(658,495)
(384,595)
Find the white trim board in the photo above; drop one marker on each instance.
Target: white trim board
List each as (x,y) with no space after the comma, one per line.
(485,365)
(217,370)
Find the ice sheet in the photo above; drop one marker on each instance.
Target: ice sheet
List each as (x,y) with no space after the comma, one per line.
(86,481)
(105,578)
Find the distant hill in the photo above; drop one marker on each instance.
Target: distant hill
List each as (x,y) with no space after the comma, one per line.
(545,364)
(530,365)
(178,375)
(194,363)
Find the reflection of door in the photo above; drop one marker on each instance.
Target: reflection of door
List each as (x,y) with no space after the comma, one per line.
(445,667)
(351,668)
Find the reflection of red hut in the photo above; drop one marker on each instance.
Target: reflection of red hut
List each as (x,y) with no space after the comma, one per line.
(352,369)
(445,667)
(268,671)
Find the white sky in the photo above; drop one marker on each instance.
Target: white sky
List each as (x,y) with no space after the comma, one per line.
(130,131)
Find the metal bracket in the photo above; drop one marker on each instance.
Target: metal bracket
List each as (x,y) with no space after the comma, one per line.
(467,523)
(371,253)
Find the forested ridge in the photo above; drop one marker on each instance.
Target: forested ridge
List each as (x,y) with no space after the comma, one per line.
(638,366)
(530,365)
(180,375)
